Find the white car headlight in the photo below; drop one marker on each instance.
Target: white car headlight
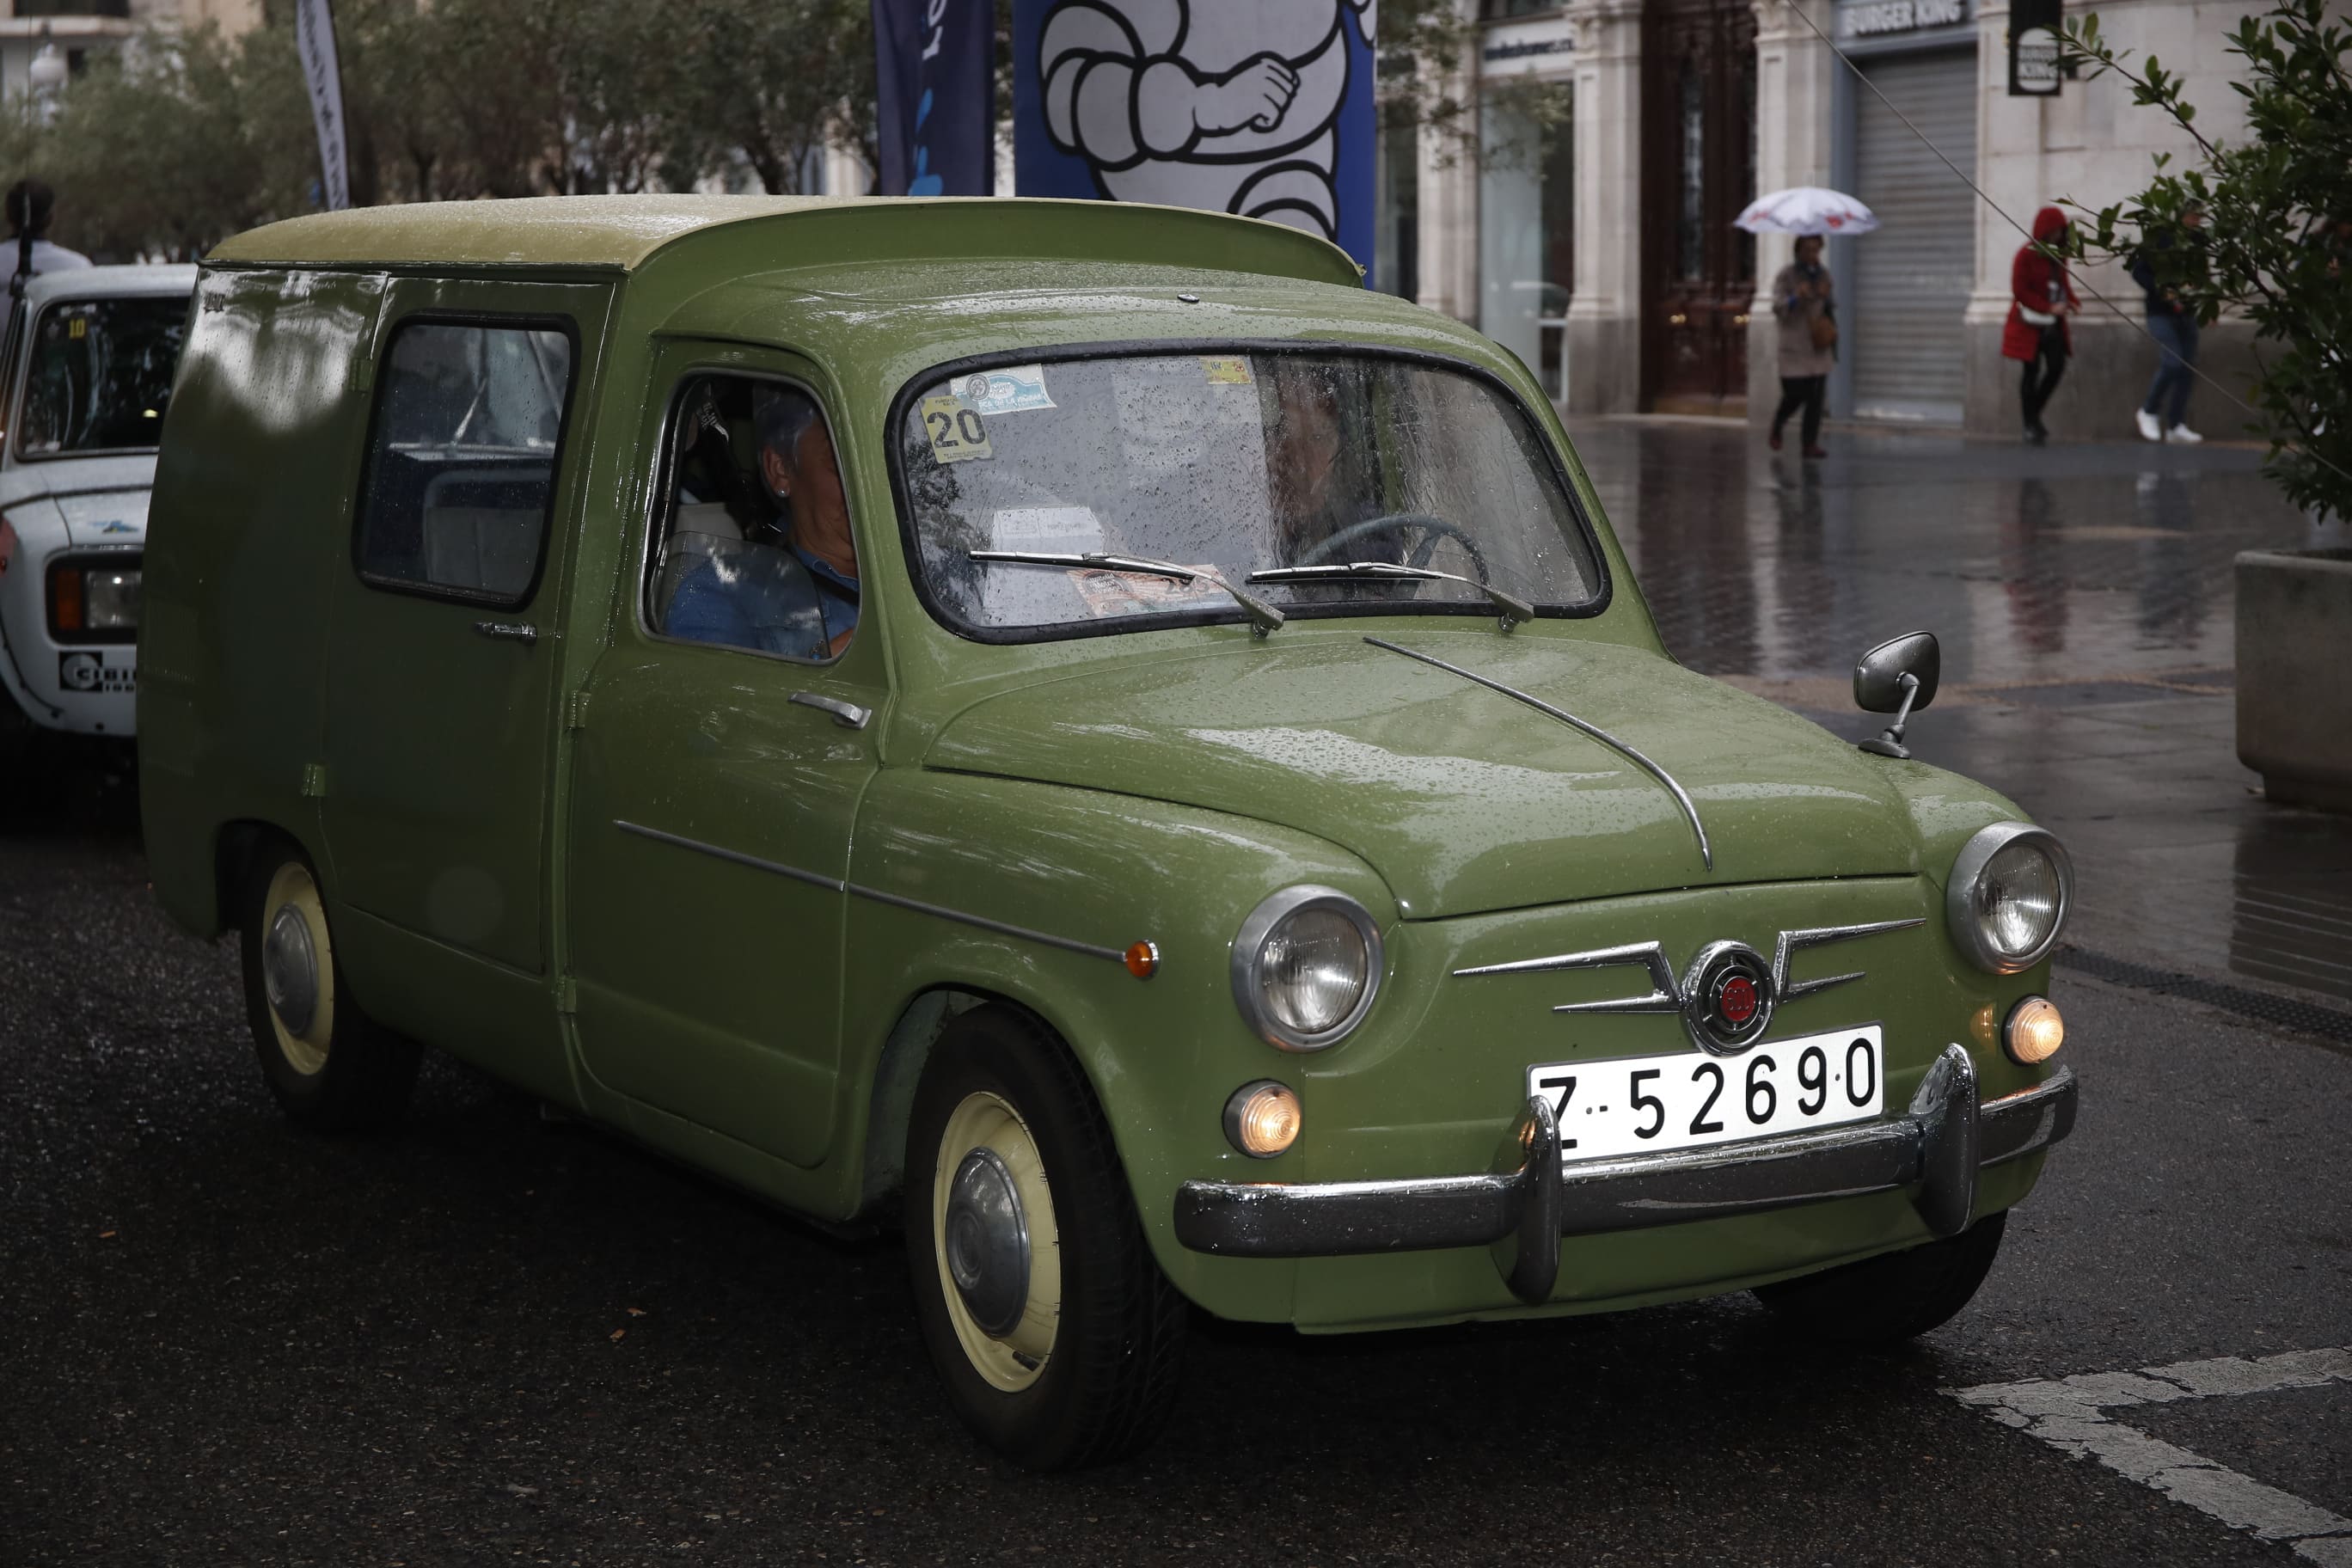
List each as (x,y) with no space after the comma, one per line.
(1307,963)
(2012,887)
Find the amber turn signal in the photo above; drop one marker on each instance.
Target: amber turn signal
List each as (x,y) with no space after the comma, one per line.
(1262,1119)
(65,599)
(1143,960)
(2034,1030)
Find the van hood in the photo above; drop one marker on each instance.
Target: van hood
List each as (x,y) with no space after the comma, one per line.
(1463,799)
(103,500)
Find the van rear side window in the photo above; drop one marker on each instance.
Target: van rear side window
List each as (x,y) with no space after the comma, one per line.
(461,465)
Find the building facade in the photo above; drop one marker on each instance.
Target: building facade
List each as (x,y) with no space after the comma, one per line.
(1604,254)
(79,29)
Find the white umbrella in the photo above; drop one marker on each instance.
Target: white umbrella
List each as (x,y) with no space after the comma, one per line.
(1807,209)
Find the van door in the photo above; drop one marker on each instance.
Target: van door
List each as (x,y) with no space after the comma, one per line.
(728,735)
(446,630)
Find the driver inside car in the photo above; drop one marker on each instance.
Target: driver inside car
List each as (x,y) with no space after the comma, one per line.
(790,584)
(1316,484)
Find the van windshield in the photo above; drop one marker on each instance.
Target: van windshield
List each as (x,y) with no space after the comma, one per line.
(1331,482)
(99,374)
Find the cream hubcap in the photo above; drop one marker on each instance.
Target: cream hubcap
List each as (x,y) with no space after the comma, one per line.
(297,969)
(995,1243)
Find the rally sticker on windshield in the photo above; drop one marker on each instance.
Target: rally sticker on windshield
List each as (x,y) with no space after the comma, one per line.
(1227,371)
(1045,530)
(955,430)
(1014,390)
(1134,593)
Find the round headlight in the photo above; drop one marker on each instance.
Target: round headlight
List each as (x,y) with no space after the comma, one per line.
(2011,889)
(1305,965)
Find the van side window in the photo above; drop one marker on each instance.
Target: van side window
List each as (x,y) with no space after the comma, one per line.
(461,465)
(753,548)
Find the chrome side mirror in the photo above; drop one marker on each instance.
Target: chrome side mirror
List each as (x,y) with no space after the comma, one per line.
(1898,676)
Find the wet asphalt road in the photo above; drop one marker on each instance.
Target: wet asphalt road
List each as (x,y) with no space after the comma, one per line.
(488,1338)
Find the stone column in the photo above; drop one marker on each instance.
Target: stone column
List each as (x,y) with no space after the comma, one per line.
(1604,335)
(1448,225)
(2009,166)
(1796,77)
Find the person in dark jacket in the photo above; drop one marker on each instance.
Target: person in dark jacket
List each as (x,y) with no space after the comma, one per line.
(2041,299)
(2163,413)
(31,205)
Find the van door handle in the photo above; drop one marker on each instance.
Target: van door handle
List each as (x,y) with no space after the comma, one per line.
(848,715)
(508,631)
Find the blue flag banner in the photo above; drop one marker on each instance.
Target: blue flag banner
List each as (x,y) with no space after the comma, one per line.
(1257,106)
(935,67)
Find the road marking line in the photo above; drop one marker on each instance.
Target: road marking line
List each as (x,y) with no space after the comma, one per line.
(2070,1414)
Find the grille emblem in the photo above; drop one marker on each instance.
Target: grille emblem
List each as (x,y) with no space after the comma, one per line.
(1727,995)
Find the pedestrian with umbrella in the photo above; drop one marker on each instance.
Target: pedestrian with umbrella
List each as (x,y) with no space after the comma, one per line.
(1804,297)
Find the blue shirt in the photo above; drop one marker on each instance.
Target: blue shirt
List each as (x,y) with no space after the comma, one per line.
(752,599)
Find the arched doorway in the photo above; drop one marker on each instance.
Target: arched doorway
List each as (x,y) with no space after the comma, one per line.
(1698,170)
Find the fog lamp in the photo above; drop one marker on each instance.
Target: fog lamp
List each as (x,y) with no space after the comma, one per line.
(1262,1119)
(2034,1030)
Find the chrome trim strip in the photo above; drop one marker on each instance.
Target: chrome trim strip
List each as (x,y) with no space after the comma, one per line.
(876,895)
(1792,943)
(1665,990)
(1002,928)
(1672,994)
(739,858)
(1681,796)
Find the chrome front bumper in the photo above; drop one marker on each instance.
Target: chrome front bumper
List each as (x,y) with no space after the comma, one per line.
(1527,1200)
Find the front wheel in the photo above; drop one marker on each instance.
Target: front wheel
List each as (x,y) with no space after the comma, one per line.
(328,1065)
(1060,1341)
(1894,1296)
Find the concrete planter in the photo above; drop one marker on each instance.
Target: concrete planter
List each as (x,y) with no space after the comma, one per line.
(2295,674)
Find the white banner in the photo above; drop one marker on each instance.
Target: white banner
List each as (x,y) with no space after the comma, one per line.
(314,40)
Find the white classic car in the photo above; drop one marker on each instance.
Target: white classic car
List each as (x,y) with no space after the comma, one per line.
(88,371)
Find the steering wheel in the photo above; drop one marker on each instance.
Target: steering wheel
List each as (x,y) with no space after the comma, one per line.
(1432,530)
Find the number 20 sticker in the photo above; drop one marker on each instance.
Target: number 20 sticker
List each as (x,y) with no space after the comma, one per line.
(956,429)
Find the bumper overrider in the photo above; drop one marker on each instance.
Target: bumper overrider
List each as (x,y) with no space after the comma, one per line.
(1523,1205)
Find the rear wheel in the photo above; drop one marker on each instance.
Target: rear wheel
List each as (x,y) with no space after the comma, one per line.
(328,1065)
(1894,1296)
(1059,1340)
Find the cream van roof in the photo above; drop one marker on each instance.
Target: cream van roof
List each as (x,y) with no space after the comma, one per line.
(622,232)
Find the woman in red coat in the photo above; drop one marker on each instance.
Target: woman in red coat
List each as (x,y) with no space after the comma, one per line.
(2042,300)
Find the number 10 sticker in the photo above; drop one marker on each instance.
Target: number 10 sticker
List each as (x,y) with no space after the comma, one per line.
(956,429)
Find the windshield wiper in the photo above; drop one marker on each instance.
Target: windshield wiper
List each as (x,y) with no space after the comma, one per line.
(1264,617)
(1512,608)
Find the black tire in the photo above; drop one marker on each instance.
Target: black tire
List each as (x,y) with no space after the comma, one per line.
(1105,1385)
(331,1067)
(1894,1296)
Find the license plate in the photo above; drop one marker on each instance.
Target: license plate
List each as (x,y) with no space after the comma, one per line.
(1636,1105)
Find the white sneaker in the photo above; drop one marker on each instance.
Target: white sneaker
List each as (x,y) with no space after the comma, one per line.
(2149,430)
(2183,435)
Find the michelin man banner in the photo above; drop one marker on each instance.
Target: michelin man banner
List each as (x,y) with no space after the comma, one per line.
(1257,106)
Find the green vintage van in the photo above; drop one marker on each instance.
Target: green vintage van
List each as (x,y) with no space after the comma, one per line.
(1072,729)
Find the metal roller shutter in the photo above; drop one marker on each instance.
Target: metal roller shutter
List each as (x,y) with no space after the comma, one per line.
(1911,277)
